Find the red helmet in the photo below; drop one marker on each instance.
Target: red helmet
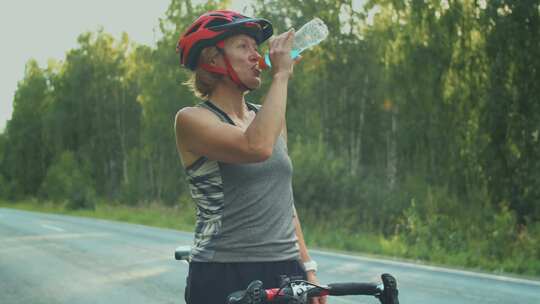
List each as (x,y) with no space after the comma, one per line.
(215,26)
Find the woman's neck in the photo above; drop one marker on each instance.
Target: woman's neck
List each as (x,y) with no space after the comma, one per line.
(230,99)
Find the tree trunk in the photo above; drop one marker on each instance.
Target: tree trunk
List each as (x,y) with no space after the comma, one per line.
(355,156)
(391,154)
(121,126)
(152,178)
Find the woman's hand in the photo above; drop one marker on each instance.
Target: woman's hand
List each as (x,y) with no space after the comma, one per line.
(280,53)
(311,277)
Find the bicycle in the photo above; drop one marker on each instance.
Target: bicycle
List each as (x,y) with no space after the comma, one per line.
(297,291)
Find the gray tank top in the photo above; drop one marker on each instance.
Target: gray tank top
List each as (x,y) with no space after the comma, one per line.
(244,211)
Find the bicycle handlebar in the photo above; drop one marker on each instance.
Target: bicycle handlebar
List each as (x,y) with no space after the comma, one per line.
(299,291)
(347,289)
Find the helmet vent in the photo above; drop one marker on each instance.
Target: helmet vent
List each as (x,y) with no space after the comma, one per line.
(193,29)
(236,17)
(216,22)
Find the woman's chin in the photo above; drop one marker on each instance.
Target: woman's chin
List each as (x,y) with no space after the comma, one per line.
(254,83)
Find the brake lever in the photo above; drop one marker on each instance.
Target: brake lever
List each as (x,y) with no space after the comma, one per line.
(253,294)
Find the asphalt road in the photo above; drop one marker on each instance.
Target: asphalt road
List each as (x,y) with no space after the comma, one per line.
(46,258)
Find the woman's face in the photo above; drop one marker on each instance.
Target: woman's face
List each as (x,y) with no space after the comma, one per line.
(242,52)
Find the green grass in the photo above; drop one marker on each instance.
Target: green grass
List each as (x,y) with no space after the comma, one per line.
(474,254)
(376,245)
(155,215)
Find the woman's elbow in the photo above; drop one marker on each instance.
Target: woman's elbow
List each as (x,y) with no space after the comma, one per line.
(262,153)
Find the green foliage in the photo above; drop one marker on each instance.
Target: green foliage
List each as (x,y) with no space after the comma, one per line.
(2,145)
(68,182)
(97,99)
(511,119)
(325,186)
(4,189)
(24,153)
(133,188)
(318,170)
(434,228)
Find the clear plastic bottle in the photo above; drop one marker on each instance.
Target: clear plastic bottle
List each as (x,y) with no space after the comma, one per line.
(311,34)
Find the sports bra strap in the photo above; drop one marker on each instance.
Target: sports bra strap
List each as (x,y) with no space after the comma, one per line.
(222,115)
(253,107)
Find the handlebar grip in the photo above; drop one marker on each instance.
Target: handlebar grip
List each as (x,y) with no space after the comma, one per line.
(236,297)
(182,253)
(345,289)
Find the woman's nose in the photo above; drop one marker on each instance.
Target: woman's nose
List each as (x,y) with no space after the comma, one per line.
(255,55)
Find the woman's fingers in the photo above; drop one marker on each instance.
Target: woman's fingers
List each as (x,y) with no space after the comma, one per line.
(280,50)
(289,39)
(282,39)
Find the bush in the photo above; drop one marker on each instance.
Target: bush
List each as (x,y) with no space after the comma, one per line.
(65,182)
(325,188)
(4,187)
(10,190)
(316,177)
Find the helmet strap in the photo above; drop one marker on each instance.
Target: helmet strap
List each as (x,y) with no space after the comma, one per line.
(213,69)
(232,74)
(228,71)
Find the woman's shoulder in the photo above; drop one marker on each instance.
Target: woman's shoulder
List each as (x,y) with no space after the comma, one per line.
(193,114)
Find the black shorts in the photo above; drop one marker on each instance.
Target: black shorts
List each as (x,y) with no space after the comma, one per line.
(211,283)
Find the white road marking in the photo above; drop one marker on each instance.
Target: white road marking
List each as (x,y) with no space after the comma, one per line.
(431,268)
(347,268)
(136,274)
(339,300)
(52,228)
(62,236)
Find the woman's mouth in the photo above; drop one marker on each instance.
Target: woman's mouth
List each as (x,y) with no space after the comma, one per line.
(256,71)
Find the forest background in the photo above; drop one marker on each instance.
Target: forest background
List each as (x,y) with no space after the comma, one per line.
(414,128)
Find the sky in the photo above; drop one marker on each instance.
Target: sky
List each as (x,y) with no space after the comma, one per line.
(42,30)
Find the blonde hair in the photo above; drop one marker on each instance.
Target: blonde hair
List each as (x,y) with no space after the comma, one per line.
(202,83)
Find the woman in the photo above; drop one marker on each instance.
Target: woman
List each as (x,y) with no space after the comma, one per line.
(235,157)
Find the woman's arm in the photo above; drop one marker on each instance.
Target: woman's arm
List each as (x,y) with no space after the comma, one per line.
(202,135)
(304,256)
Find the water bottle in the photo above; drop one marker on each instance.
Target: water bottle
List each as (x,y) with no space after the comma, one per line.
(312,33)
